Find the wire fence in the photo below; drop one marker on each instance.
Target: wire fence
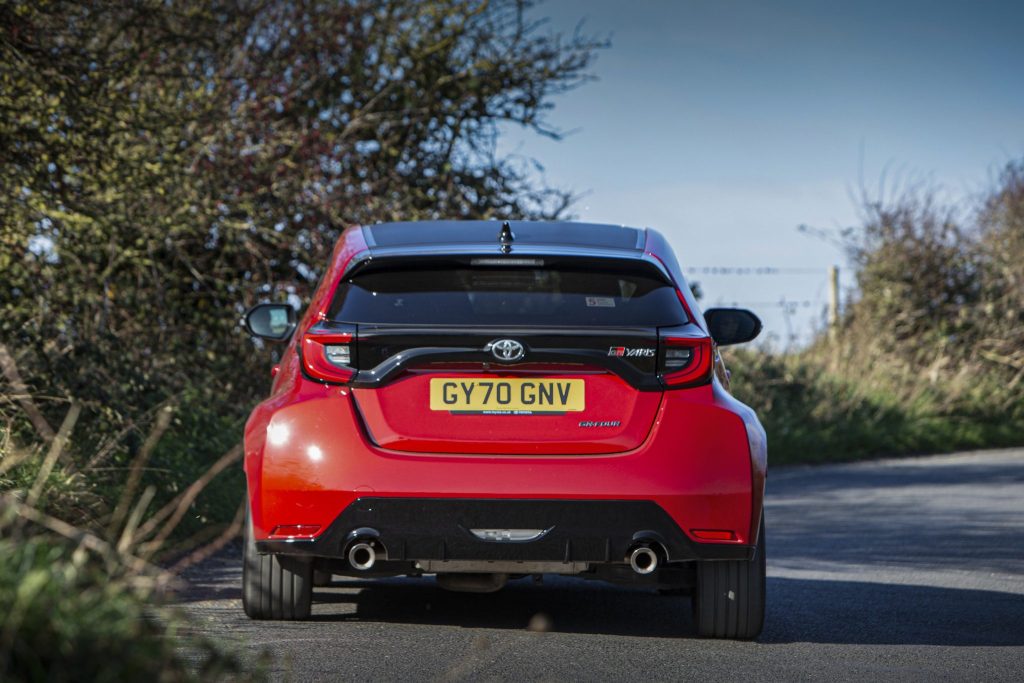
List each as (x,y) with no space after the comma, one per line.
(753,270)
(800,313)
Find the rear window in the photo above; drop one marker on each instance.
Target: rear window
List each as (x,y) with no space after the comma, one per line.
(564,296)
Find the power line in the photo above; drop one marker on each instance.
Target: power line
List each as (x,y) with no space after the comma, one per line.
(786,303)
(753,270)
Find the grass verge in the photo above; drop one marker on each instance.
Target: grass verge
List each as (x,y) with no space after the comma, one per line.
(816,411)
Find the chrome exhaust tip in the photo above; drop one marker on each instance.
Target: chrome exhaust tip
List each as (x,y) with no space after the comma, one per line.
(362,556)
(643,560)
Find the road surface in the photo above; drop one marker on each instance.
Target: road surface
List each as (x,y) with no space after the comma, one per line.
(909,569)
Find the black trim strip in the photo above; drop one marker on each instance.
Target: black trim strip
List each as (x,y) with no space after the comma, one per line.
(395,365)
(596,531)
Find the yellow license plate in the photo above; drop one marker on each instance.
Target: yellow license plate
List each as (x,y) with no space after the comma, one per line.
(506,396)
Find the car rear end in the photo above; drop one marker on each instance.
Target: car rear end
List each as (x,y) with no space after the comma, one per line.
(543,403)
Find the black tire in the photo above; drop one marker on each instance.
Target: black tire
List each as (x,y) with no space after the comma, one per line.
(275,587)
(729,599)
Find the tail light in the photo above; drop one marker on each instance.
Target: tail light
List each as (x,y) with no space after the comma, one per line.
(329,355)
(686,361)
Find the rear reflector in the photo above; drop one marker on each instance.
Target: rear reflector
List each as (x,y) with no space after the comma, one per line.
(713,534)
(686,361)
(327,356)
(295,531)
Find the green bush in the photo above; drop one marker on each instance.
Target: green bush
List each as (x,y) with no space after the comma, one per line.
(928,356)
(814,413)
(68,619)
(201,431)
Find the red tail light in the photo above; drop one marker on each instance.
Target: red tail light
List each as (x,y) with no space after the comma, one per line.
(686,361)
(329,356)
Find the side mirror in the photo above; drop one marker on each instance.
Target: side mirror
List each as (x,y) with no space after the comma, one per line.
(732,325)
(273,322)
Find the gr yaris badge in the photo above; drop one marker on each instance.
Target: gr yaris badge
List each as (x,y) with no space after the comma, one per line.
(507,350)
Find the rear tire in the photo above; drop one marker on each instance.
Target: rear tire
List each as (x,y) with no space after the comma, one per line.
(275,587)
(729,599)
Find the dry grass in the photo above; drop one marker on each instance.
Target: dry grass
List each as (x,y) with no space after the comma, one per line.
(79,575)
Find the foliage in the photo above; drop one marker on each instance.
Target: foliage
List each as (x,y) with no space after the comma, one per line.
(814,413)
(170,163)
(163,165)
(929,356)
(167,164)
(66,618)
(917,275)
(1001,224)
(941,299)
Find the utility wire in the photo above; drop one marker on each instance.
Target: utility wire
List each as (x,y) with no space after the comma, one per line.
(784,304)
(753,270)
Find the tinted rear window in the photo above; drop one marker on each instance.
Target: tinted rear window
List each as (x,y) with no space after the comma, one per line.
(507,296)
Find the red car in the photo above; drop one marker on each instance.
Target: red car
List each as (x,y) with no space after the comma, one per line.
(488,401)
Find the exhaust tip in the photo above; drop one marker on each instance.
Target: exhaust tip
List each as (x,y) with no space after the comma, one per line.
(643,560)
(362,556)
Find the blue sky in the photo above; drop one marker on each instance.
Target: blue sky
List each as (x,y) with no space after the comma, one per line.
(726,124)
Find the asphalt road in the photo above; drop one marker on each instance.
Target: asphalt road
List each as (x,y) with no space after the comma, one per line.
(908,569)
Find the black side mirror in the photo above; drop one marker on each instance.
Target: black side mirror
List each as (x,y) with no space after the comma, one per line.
(273,322)
(732,325)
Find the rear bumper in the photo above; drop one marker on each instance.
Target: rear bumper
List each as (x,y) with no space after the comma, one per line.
(450,530)
(310,463)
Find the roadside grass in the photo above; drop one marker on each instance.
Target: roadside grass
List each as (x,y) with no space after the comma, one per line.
(92,483)
(93,534)
(73,617)
(815,409)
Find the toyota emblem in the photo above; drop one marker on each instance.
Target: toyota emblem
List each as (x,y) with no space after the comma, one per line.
(507,350)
